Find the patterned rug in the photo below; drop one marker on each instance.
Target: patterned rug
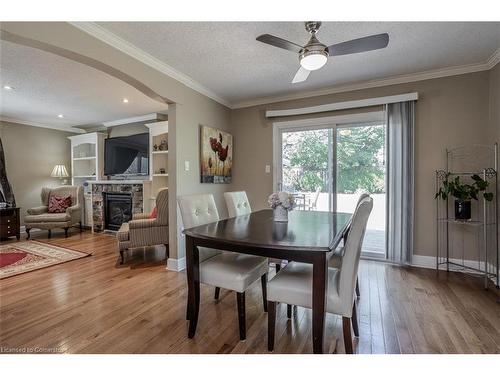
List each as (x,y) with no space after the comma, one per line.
(26,256)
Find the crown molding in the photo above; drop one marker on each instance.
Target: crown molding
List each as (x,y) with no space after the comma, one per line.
(64,128)
(128,48)
(492,61)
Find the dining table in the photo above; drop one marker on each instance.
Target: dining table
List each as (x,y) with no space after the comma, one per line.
(308,237)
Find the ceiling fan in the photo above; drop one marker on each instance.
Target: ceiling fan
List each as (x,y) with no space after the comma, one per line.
(314,54)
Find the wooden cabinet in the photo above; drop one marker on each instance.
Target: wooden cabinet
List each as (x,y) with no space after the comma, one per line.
(10,222)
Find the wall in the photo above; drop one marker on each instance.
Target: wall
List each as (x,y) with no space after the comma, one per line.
(27,170)
(494,120)
(451,111)
(126,130)
(190,110)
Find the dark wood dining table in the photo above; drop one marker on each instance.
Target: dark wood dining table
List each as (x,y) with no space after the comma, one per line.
(308,236)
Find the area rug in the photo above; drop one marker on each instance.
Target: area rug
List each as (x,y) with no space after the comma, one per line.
(26,256)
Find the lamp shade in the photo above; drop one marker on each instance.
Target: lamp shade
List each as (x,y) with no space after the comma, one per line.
(59,171)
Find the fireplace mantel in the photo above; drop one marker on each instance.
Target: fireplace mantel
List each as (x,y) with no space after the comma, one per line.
(118,182)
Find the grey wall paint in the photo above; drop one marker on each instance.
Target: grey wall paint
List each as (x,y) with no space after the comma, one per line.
(30,155)
(451,111)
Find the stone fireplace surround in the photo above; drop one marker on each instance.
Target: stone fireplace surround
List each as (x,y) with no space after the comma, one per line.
(135,188)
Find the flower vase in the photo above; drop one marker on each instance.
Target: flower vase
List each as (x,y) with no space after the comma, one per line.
(280,214)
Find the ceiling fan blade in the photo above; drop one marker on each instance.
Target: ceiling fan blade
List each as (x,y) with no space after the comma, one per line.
(301,75)
(278,42)
(368,43)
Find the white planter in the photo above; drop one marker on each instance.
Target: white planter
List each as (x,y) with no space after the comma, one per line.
(280,214)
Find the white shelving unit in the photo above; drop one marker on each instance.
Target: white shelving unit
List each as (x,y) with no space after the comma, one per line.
(87,163)
(158,131)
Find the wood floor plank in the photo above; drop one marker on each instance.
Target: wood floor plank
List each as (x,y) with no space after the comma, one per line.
(96,305)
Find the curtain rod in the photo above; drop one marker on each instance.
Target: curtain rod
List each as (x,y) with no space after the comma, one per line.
(343,105)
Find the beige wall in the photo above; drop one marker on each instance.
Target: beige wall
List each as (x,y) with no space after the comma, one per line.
(494,122)
(191,108)
(30,155)
(451,111)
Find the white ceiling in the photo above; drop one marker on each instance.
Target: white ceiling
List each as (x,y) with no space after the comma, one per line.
(46,85)
(226,58)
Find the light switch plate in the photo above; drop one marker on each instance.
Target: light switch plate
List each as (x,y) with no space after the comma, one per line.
(268,168)
(186,165)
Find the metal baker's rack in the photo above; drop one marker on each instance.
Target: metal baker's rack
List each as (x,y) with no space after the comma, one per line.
(470,245)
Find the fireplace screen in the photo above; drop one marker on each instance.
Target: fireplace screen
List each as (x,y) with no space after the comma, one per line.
(117,209)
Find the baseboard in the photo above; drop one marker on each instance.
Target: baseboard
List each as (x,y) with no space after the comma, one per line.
(425,261)
(176,264)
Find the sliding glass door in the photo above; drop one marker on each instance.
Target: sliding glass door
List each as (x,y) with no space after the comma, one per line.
(328,166)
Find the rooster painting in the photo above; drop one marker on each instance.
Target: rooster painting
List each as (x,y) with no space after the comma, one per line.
(216,156)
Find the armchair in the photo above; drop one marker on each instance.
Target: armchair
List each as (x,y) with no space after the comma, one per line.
(144,231)
(39,217)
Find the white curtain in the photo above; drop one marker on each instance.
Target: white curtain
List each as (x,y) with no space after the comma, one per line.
(400,185)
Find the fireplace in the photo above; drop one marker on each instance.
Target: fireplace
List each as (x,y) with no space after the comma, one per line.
(117,209)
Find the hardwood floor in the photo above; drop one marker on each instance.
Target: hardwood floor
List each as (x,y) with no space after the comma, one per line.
(94,305)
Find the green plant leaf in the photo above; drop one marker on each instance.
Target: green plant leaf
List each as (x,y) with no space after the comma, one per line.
(488,196)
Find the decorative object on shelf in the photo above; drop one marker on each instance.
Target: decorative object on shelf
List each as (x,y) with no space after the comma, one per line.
(155,147)
(216,156)
(467,225)
(162,170)
(463,194)
(281,203)
(60,172)
(163,145)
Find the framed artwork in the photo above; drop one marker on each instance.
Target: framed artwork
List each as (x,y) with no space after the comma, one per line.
(216,156)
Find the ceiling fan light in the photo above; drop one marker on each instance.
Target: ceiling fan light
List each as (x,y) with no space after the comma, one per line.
(313,61)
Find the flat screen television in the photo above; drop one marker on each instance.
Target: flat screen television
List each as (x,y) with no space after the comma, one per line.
(127,156)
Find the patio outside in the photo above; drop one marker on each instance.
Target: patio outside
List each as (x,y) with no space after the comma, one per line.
(307,162)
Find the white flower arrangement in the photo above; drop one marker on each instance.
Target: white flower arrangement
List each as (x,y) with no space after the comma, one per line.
(283,199)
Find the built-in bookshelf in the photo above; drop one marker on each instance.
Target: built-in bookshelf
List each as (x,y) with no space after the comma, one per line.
(87,164)
(158,158)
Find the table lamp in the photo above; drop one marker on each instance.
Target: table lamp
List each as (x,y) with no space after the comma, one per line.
(61,172)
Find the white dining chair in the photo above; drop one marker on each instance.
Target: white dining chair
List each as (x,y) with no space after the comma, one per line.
(335,260)
(223,269)
(293,285)
(238,204)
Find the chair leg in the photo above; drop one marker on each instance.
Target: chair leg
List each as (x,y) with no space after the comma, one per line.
(81,227)
(278,267)
(49,234)
(358,294)
(121,256)
(263,281)
(271,323)
(28,233)
(217,292)
(240,297)
(66,232)
(167,251)
(289,311)
(346,322)
(354,320)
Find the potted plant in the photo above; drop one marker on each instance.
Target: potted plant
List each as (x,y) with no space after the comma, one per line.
(281,203)
(463,194)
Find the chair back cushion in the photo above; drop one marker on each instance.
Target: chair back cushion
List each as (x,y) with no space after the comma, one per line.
(162,207)
(58,204)
(75,192)
(197,209)
(352,252)
(237,203)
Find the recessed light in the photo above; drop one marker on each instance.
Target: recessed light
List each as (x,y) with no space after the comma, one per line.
(60,116)
(7,87)
(125,100)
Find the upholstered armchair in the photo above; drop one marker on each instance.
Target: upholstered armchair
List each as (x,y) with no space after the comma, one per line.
(144,231)
(41,218)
